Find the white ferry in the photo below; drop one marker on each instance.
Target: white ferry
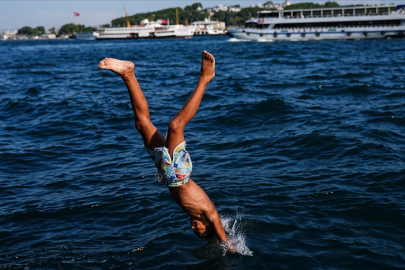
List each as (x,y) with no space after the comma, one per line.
(148,30)
(208,27)
(86,36)
(360,22)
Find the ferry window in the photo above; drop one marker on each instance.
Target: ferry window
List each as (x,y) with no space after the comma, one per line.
(272,15)
(251,25)
(327,13)
(316,13)
(297,14)
(371,11)
(287,14)
(360,11)
(383,11)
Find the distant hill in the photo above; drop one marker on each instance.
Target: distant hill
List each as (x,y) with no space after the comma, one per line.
(190,13)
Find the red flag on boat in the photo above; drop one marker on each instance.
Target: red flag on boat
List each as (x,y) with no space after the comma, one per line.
(162,21)
(75,14)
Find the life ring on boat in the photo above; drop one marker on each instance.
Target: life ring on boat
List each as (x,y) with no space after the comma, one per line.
(317,34)
(275,34)
(400,33)
(288,35)
(349,34)
(383,33)
(365,33)
(303,35)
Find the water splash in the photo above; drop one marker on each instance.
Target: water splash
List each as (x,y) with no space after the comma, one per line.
(233,227)
(238,40)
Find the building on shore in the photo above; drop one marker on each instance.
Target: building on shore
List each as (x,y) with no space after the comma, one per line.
(11,35)
(45,36)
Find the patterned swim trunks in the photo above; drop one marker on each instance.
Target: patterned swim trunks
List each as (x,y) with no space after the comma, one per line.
(174,173)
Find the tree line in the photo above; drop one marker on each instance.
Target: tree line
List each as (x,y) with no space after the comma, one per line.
(188,14)
(67,29)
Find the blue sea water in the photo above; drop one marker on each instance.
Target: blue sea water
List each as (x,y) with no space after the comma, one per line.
(300,145)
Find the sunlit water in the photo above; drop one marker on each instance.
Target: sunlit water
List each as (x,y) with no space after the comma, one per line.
(299,145)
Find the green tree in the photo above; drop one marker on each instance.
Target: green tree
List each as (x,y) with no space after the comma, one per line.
(70,29)
(40,30)
(331,4)
(196,5)
(26,30)
(52,30)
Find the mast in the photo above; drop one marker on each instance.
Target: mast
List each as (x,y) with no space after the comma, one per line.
(126,15)
(177,16)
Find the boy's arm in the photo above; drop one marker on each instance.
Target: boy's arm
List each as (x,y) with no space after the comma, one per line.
(219,229)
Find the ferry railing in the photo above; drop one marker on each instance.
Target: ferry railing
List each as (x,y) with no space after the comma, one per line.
(335,15)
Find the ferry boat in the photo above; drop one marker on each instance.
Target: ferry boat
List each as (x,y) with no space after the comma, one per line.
(148,30)
(208,27)
(86,36)
(360,22)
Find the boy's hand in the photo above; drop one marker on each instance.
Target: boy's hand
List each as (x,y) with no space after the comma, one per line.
(228,245)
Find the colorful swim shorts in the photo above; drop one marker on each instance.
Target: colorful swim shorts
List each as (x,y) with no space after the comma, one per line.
(174,173)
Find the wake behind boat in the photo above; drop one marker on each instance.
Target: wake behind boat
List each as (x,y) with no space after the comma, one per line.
(360,22)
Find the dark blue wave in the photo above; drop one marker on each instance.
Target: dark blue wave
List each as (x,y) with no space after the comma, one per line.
(301,145)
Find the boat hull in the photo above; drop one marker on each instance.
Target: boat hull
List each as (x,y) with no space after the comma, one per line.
(311,34)
(148,32)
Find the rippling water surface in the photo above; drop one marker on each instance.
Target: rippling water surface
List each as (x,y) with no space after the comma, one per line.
(301,146)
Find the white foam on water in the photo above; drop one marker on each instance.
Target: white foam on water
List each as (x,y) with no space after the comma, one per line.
(238,40)
(264,40)
(238,239)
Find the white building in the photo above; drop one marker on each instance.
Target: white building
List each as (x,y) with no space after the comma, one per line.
(10,35)
(220,8)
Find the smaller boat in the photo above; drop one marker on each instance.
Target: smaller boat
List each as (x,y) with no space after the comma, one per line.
(208,27)
(86,36)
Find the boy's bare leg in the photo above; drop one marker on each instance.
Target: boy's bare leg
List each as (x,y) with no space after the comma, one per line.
(175,134)
(150,135)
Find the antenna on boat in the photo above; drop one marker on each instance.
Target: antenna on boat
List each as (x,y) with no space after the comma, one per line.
(126,15)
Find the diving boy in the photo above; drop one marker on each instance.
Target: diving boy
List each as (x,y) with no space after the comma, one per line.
(169,154)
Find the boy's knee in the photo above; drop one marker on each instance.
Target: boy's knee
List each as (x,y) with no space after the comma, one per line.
(176,125)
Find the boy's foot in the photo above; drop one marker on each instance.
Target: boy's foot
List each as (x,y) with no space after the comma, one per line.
(207,67)
(120,67)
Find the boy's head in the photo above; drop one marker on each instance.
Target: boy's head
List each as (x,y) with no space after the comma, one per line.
(202,228)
